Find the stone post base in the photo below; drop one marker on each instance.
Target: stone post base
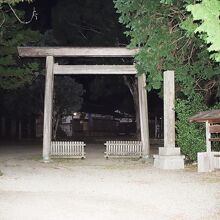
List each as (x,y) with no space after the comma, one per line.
(207,162)
(169,159)
(46,160)
(203,162)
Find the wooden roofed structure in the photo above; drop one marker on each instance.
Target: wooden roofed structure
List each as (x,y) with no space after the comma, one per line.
(212,116)
(209,160)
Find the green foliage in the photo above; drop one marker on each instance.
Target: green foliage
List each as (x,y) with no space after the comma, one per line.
(147,27)
(207,12)
(68,99)
(13,1)
(158,29)
(190,136)
(166,1)
(14,72)
(189,26)
(68,95)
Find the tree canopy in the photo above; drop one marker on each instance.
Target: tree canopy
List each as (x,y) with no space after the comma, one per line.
(13,1)
(15,73)
(90,23)
(169,37)
(159,30)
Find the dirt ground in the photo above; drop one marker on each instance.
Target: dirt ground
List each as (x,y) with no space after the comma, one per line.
(96,188)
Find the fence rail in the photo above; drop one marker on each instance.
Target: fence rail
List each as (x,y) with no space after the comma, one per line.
(67,149)
(123,149)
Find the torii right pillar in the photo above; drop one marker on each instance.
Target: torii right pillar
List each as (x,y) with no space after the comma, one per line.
(169,156)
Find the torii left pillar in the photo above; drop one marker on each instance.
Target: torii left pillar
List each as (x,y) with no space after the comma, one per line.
(48,106)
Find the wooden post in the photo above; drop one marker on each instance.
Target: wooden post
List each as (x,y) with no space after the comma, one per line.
(209,148)
(48,102)
(143,108)
(208,135)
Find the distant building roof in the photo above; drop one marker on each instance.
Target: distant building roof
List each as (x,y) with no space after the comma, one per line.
(212,116)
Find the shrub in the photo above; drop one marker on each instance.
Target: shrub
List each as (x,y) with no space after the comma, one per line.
(190,136)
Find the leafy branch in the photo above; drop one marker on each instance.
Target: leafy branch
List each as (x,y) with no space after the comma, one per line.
(207,13)
(10,4)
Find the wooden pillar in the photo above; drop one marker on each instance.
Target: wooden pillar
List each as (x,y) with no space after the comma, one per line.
(210,165)
(169,156)
(48,102)
(208,135)
(143,108)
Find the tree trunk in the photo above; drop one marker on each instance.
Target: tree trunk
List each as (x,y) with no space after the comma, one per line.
(137,113)
(55,123)
(132,85)
(55,128)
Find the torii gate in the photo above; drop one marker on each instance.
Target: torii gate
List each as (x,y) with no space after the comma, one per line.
(54,69)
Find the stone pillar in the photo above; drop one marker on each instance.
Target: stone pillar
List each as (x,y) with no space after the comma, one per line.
(143,108)
(48,102)
(169,156)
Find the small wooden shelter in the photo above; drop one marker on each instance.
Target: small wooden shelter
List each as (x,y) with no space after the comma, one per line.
(212,116)
(209,160)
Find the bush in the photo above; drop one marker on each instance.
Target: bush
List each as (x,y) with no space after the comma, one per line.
(190,136)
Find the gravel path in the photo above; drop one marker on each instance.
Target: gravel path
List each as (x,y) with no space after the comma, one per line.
(96,188)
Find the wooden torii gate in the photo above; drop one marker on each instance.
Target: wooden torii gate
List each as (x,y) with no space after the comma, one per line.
(54,69)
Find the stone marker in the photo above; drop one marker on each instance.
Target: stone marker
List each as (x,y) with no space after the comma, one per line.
(169,156)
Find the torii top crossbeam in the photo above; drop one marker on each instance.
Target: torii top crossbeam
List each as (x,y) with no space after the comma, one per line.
(76,51)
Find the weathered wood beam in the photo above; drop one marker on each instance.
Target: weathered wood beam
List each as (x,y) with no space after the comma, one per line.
(95,69)
(76,51)
(208,136)
(48,108)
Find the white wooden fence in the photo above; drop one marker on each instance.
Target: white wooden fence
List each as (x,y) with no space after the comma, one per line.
(216,160)
(67,149)
(123,149)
